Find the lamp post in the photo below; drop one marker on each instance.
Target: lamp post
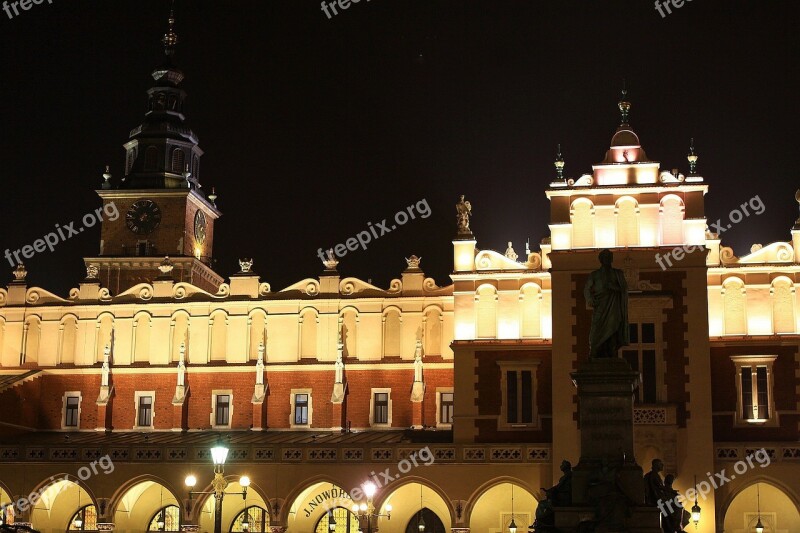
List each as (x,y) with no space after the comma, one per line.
(366,512)
(218,455)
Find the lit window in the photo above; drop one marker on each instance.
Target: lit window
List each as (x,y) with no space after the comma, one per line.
(641,355)
(84,520)
(446,407)
(381,408)
(518,389)
(754,384)
(301,409)
(166,519)
(72,402)
(144,409)
(222,409)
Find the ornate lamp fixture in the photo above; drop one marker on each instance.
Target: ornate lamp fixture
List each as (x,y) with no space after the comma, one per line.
(759,525)
(366,512)
(695,507)
(512,527)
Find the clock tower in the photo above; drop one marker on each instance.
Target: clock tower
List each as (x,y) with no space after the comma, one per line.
(163,209)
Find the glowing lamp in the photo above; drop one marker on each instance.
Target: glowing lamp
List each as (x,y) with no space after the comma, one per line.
(78,522)
(421,525)
(695,513)
(244,481)
(190,481)
(331,521)
(246,523)
(759,526)
(512,527)
(219,453)
(362,507)
(160,522)
(370,489)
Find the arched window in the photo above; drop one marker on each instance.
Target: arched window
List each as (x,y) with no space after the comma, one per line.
(346,522)
(427,518)
(672,212)
(349,321)
(151,158)
(531,300)
(166,519)
(783,296)
(141,339)
(733,296)
(433,332)
(178,158)
(391,333)
(487,312)
(308,334)
(219,337)
(84,520)
(254,519)
(582,218)
(627,222)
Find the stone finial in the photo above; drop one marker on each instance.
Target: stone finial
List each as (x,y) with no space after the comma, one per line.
(106,178)
(510,253)
(331,262)
(797,197)
(413,262)
(692,157)
(92,271)
(463,212)
(245,265)
(166,266)
(756,247)
(20,272)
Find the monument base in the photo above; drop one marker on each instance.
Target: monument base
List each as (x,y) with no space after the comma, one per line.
(640,519)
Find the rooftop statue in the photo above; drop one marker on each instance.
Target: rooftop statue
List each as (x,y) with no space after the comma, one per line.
(463,212)
(606,291)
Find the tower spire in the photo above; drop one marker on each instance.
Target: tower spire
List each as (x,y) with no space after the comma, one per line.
(624,105)
(170,38)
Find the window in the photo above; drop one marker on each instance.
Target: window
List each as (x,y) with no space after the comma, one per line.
(221,408)
(84,520)
(166,519)
(301,408)
(446,406)
(178,158)
(518,389)
(144,409)
(72,404)
(754,384)
(380,411)
(345,522)
(381,408)
(641,355)
(151,158)
(253,519)
(141,248)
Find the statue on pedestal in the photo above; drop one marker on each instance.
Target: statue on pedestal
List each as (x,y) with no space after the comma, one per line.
(463,212)
(654,491)
(556,496)
(607,292)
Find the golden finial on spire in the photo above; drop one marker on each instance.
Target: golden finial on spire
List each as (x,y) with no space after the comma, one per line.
(170,38)
(624,105)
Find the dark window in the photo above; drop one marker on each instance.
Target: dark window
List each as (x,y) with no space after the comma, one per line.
(151,158)
(761,385)
(141,248)
(649,376)
(381,408)
(747,393)
(223,410)
(519,396)
(178,158)
(71,412)
(301,409)
(648,332)
(145,417)
(511,397)
(446,405)
(634,332)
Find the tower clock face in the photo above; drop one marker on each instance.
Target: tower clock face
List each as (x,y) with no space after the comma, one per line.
(199,227)
(143,217)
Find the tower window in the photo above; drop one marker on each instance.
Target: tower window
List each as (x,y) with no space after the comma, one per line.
(151,158)
(301,407)
(178,158)
(642,356)
(144,409)
(518,390)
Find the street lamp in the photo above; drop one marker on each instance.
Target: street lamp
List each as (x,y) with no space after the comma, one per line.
(218,455)
(366,512)
(695,507)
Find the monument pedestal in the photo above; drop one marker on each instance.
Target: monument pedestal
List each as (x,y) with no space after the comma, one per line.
(607,483)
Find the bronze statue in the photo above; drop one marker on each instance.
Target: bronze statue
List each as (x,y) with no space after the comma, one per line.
(556,496)
(463,212)
(607,292)
(654,491)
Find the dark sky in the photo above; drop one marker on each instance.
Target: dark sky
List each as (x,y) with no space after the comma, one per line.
(312,128)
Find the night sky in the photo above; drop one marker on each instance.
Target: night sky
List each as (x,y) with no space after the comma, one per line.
(314,127)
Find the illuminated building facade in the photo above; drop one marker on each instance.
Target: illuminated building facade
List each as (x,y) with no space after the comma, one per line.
(456,401)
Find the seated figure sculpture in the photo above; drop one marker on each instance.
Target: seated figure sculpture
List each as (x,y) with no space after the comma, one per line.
(557,496)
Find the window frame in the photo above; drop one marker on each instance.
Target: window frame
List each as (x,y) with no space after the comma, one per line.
(755,361)
(439,403)
(309,407)
(136,403)
(214,404)
(372,407)
(518,366)
(640,347)
(64,410)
